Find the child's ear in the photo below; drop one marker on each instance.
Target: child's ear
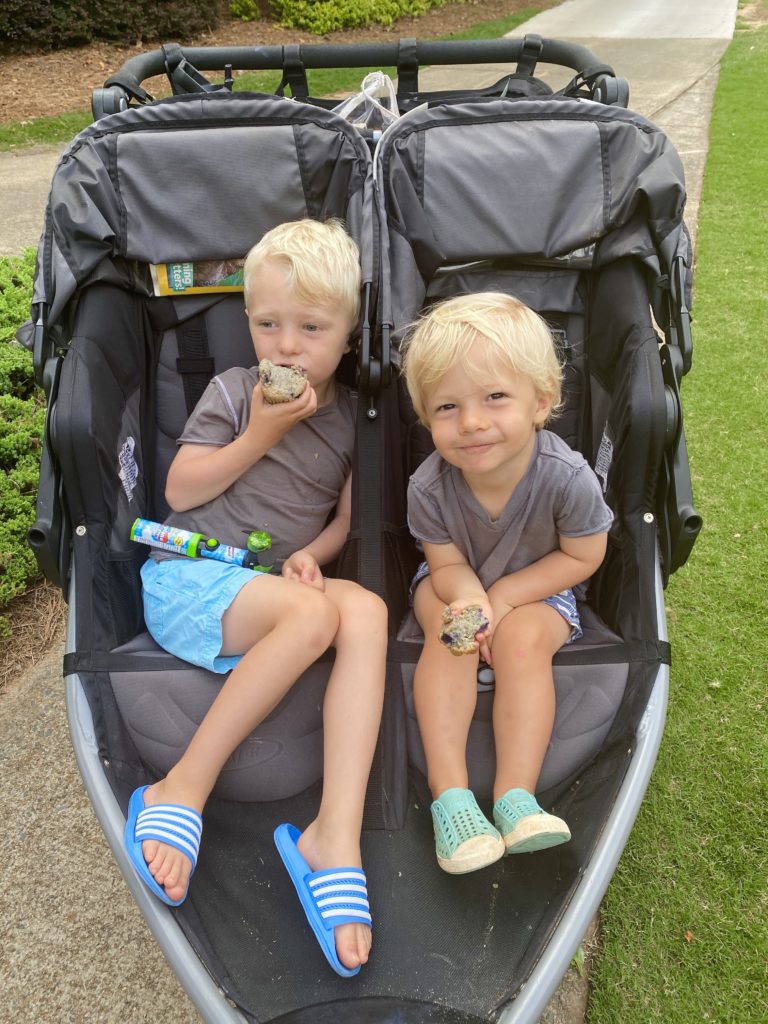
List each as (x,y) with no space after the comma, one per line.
(543,408)
(352,342)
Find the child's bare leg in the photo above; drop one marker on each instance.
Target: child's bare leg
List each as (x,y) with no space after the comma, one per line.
(281,627)
(524,643)
(445,695)
(351,717)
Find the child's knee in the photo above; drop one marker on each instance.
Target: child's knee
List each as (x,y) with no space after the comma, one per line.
(517,621)
(525,633)
(315,616)
(371,607)
(357,603)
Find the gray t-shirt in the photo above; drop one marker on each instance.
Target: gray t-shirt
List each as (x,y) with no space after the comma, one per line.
(292,490)
(559,495)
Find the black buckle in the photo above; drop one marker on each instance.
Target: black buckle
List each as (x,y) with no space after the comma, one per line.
(530,53)
(407,72)
(294,73)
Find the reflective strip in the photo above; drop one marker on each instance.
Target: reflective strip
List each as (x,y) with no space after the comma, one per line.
(180,842)
(181,816)
(346,912)
(163,822)
(346,900)
(324,890)
(333,893)
(180,827)
(337,876)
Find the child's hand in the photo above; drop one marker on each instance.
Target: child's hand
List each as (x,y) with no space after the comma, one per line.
(303,567)
(483,637)
(267,423)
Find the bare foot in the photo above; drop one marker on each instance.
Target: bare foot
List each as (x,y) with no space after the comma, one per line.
(353,941)
(169,867)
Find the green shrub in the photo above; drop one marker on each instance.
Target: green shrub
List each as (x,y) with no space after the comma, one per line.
(52,24)
(16,274)
(245,10)
(21,429)
(16,376)
(322,16)
(22,418)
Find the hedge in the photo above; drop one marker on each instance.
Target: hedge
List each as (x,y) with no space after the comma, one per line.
(322,16)
(22,417)
(52,24)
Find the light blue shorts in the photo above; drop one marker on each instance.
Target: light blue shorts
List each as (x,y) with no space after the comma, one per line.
(184,603)
(564,603)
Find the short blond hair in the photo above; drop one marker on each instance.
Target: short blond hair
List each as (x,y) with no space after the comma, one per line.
(321,259)
(481,333)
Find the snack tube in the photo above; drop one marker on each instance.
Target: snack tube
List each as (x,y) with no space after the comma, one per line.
(195,545)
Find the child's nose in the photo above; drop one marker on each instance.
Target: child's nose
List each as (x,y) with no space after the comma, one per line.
(472,419)
(289,341)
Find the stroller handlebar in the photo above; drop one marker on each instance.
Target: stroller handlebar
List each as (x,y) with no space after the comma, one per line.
(441,52)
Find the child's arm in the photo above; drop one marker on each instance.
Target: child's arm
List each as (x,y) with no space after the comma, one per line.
(455,582)
(575,561)
(453,579)
(202,472)
(304,565)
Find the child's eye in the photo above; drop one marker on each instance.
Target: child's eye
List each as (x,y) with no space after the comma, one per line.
(265,324)
(496,395)
(312,328)
(445,407)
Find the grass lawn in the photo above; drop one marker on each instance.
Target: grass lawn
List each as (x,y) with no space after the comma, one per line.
(684,924)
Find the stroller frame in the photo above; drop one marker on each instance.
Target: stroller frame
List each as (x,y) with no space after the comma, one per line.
(117,107)
(209,999)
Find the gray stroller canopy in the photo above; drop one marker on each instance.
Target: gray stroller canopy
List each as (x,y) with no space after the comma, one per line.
(194,177)
(559,181)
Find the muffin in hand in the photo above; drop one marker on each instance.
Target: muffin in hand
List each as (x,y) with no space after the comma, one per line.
(457,632)
(281,383)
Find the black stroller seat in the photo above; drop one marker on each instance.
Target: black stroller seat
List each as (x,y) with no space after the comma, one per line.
(558,203)
(207,190)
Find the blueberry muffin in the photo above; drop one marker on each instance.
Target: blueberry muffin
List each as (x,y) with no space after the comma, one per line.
(458,631)
(281,383)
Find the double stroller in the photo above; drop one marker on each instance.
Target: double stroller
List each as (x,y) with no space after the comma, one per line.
(567,201)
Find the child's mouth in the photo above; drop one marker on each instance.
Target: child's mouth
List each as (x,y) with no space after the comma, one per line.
(473,449)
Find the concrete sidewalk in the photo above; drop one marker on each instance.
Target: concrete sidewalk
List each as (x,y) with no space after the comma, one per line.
(73,946)
(25,180)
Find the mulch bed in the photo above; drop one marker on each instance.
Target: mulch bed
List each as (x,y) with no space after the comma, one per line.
(45,84)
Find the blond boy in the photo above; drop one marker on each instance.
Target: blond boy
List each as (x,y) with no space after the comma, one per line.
(510,520)
(246,464)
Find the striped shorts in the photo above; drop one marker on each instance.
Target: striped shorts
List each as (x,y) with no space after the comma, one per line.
(564,603)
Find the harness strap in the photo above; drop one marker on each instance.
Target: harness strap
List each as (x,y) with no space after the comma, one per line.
(195,364)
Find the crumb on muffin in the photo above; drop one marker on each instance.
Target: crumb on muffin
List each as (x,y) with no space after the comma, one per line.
(281,383)
(457,632)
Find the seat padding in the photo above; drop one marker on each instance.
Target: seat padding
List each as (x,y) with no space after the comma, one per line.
(162,710)
(587,699)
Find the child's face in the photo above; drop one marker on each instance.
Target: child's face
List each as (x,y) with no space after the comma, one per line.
(290,332)
(486,429)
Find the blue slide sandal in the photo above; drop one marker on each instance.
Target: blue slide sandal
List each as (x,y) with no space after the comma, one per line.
(329,898)
(173,824)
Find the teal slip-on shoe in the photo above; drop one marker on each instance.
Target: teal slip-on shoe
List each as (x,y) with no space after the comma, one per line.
(464,838)
(524,826)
